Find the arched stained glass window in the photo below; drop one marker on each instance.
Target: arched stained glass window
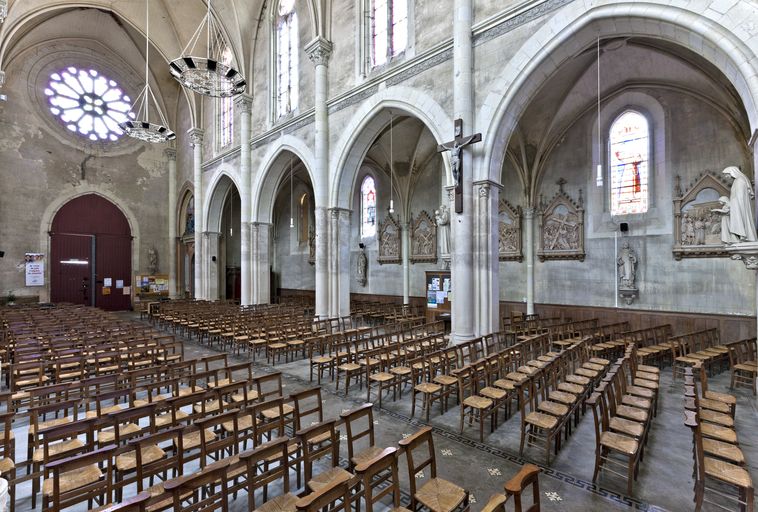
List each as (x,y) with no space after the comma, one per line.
(368,207)
(286,58)
(389,29)
(88,103)
(629,163)
(225,111)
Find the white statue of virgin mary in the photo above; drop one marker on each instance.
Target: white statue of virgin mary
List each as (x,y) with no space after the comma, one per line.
(741,222)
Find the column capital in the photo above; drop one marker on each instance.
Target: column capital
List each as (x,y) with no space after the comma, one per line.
(336,212)
(170,154)
(196,136)
(528,212)
(244,103)
(2,73)
(483,187)
(319,50)
(3,11)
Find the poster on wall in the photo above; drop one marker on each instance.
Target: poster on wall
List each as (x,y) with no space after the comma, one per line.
(35,269)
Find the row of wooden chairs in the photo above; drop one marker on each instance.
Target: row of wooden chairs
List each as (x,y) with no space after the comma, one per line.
(720,466)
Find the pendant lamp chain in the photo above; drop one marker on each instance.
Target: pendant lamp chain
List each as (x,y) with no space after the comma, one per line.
(141,128)
(392,164)
(292,197)
(600,152)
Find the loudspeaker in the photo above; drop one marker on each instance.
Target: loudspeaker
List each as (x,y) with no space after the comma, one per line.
(624,227)
(2,254)
(213,259)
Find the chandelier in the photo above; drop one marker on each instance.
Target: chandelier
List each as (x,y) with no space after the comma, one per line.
(213,75)
(139,126)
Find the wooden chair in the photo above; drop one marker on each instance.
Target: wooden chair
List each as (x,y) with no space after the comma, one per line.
(422,385)
(333,497)
(137,503)
(270,386)
(608,443)
(515,487)
(472,405)
(79,478)
(8,456)
(314,451)
(720,474)
(359,424)
(205,490)
(268,464)
(435,494)
(538,427)
(380,475)
(743,369)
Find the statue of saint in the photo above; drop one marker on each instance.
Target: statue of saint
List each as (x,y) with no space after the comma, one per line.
(741,222)
(626,263)
(442,218)
(152,261)
(362,271)
(726,236)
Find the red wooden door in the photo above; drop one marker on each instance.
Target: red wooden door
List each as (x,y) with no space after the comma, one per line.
(71,269)
(96,218)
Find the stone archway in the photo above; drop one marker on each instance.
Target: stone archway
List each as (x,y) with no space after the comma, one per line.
(221,239)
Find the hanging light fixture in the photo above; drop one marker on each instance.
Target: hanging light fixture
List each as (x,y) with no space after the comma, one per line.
(600,152)
(292,197)
(231,215)
(213,75)
(139,126)
(392,165)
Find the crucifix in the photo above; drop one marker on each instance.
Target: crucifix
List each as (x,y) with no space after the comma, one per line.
(455,147)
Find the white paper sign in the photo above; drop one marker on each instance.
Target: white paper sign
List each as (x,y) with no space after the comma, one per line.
(107,282)
(35,269)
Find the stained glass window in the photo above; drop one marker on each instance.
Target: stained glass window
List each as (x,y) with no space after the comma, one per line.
(389,29)
(286,58)
(368,207)
(88,103)
(629,163)
(225,111)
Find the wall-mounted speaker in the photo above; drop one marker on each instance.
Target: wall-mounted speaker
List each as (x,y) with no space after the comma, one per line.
(213,259)
(624,227)
(2,254)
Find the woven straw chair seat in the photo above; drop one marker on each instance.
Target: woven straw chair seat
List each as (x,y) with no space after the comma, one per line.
(74,479)
(439,495)
(618,442)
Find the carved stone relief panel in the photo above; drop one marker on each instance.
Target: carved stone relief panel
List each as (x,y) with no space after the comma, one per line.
(561,227)
(697,228)
(423,238)
(509,231)
(389,241)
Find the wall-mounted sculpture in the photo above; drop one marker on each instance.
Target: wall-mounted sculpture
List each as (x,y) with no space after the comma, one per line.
(152,260)
(697,221)
(509,232)
(561,224)
(627,262)
(311,245)
(442,219)
(362,268)
(423,239)
(389,241)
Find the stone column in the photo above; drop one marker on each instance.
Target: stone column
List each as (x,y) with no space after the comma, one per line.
(319,51)
(260,252)
(486,253)
(339,262)
(244,105)
(196,139)
(462,264)
(406,255)
(529,228)
(172,284)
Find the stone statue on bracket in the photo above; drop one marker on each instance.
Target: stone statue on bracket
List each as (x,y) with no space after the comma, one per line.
(152,261)
(627,273)
(739,210)
(442,218)
(362,270)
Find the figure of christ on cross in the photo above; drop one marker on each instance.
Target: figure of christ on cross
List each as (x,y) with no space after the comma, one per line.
(455,147)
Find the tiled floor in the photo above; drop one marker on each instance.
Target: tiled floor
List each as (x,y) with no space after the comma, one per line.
(664,482)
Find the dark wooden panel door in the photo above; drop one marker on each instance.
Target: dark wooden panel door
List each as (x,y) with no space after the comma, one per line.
(113,259)
(96,218)
(71,268)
